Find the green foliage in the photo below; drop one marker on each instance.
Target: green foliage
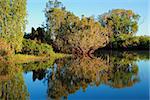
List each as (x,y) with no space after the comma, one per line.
(144,42)
(120,21)
(27,58)
(51,24)
(68,31)
(31,47)
(89,35)
(5,49)
(12,21)
(127,42)
(38,34)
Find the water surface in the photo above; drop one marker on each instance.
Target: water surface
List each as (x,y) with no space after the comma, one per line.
(112,75)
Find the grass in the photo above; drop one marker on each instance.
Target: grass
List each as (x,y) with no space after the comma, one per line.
(22,58)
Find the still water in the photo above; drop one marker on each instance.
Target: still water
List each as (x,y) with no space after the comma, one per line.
(110,75)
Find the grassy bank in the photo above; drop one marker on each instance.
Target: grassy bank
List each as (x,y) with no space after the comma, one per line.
(31,51)
(22,58)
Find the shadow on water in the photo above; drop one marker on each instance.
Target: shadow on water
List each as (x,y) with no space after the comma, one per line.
(66,76)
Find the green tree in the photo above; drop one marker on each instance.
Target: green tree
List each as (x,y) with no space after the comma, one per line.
(68,31)
(120,21)
(90,36)
(38,34)
(127,42)
(12,21)
(5,50)
(51,24)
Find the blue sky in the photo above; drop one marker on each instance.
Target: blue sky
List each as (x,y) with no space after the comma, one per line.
(36,8)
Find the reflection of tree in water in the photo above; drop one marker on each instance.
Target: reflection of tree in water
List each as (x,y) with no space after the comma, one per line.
(39,74)
(38,68)
(12,86)
(70,75)
(124,70)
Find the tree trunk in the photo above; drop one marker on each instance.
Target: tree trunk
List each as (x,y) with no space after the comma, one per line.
(79,52)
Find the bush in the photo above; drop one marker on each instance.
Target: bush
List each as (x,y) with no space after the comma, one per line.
(127,42)
(31,47)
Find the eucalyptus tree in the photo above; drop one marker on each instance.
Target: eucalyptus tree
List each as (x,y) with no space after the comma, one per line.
(50,24)
(12,21)
(70,33)
(120,21)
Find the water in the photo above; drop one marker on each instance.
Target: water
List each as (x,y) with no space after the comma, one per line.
(112,75)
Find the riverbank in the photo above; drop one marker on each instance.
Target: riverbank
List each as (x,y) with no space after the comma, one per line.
(21,58)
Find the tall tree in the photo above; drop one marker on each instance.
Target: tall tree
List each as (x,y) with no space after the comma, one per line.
(50,6)
(69,32)
(12,21)
(120,21)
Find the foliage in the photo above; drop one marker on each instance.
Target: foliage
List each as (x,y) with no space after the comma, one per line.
(126,42)
(27,58)
(51,24)
(68,31)
(90,35)
(38,34)
(12,21)
(31,47)
(70,34)
(5,49)
(120,21)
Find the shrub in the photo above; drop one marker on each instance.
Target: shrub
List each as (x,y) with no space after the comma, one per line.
(127,42)
(35,48)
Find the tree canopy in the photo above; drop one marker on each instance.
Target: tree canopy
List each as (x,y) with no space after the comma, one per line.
(120,21)
(68,31)
(12,21)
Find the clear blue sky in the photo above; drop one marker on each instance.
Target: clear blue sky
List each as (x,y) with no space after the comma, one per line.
(36,8)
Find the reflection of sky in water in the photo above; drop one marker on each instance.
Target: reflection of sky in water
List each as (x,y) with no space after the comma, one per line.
(37,89)
(139,91)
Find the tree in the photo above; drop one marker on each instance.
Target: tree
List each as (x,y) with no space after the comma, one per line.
(12,21)
(5,50)
(38,34)
(120,21)
(68,32)
(89,37)
(50,25)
